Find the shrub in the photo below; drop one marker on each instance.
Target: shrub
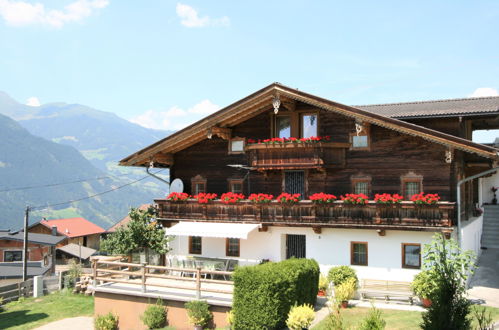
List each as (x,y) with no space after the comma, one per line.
(154,316)
(423,285)
(373,321)
(483,318)
(198,312)
(345,290)
(323,283)
(74,273)
(300,317)
(340,274)
(264,294)
(230,318)
(106,322)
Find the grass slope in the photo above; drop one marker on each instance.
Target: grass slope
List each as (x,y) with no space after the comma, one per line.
(34,312)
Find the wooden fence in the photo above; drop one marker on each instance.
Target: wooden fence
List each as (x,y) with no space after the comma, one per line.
(138,274)
(14,291)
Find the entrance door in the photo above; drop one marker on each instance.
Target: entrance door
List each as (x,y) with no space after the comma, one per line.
(294,182)
(295,246)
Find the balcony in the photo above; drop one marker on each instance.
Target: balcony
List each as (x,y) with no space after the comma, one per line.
(297,155)
(405,216)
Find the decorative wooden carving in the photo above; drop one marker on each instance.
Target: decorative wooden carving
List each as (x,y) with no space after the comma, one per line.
(381,232)
(223,132)
(317,230)
(263,229)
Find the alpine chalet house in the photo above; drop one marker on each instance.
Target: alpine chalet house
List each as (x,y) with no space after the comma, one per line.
(367,186)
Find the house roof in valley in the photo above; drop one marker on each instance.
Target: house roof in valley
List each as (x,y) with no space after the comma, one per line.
(261,101)
(123,222)
(15,269)
(73,227)
(436,108)
(35,238)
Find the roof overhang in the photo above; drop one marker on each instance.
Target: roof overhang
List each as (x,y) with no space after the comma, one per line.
(161,152)
(212,229)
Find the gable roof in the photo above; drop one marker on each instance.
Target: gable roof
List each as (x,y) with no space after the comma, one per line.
(436,108)
(261,101)
(123,222)
(35,238)
(77,250)
(73,227)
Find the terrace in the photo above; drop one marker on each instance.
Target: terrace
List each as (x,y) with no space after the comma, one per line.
(405,215)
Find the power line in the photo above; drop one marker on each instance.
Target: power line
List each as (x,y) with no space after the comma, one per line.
(42,207)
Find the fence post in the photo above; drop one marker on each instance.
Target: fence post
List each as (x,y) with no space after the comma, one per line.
(198,283)
(60,280)
(94,273)
(144,271)
(37,286)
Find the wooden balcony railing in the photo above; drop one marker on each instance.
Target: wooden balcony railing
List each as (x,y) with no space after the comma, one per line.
(297,155)
(309,214)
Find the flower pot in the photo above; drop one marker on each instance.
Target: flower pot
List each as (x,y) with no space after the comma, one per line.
(321,293)
(198,327)
(426,302)
(344,304)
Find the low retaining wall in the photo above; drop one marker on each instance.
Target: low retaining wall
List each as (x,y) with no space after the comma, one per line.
(129,309)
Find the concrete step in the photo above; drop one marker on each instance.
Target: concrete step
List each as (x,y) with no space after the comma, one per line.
(491,246)
(491,225)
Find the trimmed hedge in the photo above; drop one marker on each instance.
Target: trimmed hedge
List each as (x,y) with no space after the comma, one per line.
(264,294)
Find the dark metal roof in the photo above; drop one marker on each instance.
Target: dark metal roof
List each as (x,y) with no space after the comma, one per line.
(15,269)
(32,238)
(75,249)
(436,108)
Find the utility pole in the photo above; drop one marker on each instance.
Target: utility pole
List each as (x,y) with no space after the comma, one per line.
(25,246)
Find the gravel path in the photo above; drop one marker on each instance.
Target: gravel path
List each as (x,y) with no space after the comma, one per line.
(73,323)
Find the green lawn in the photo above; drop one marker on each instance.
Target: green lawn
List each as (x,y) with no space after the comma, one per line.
(394,319)
(34,312)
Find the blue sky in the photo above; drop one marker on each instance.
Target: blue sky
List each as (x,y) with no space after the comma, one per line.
(165,63)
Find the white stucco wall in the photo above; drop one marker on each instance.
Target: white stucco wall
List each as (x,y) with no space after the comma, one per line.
(471,233)
(330,248)
(487,183)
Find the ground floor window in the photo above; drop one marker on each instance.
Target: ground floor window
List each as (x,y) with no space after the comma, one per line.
(358,253)
(195,245)
(411,255)
(296,246)
(232,246)
(11,256)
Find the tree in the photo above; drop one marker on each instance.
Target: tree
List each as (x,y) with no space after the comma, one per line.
(142,233)
(449,267)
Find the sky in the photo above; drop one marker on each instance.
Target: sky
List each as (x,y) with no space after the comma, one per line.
(164,64)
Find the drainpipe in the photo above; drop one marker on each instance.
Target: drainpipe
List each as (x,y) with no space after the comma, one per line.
(151,165)
(458,187)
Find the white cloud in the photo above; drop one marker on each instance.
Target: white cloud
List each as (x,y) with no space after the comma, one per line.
(484,91)
(175,118)
(33,102)
(20,13)
(190,18)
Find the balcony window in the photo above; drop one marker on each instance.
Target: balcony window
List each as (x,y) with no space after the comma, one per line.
(232,246)
(236,146)
(411,255)
(411,185)
(195,245)
(198,185)
(361,185)
(308,125)
(358,253)
(283,126)
(12,256)
(360,140)
(236,186)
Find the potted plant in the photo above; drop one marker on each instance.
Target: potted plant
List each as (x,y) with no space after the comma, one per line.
(423,199)
(323,285)
(424,287)
(344,292)
(204,198)
(322,198)
(198,313)
(300,317)
(494,190)
(286,198)
(261,198)
(177,197)
(231,198)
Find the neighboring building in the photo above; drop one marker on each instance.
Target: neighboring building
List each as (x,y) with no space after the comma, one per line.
(41,253)
(123,222)
(79,231)
(74,251)
(404,148)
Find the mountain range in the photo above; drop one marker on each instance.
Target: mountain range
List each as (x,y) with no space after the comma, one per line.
(59,142)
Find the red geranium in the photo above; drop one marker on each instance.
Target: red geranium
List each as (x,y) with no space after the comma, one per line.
(278,140)
(231,198)
(322,198)
(204,198)
(260,198)
(288,198)
(359,199)
(388,198)
(425,199)
(177,197)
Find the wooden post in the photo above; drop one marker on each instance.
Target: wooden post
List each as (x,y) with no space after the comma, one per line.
(60,280)
(25,245)
(144,271)
(94,273)
(198,283)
